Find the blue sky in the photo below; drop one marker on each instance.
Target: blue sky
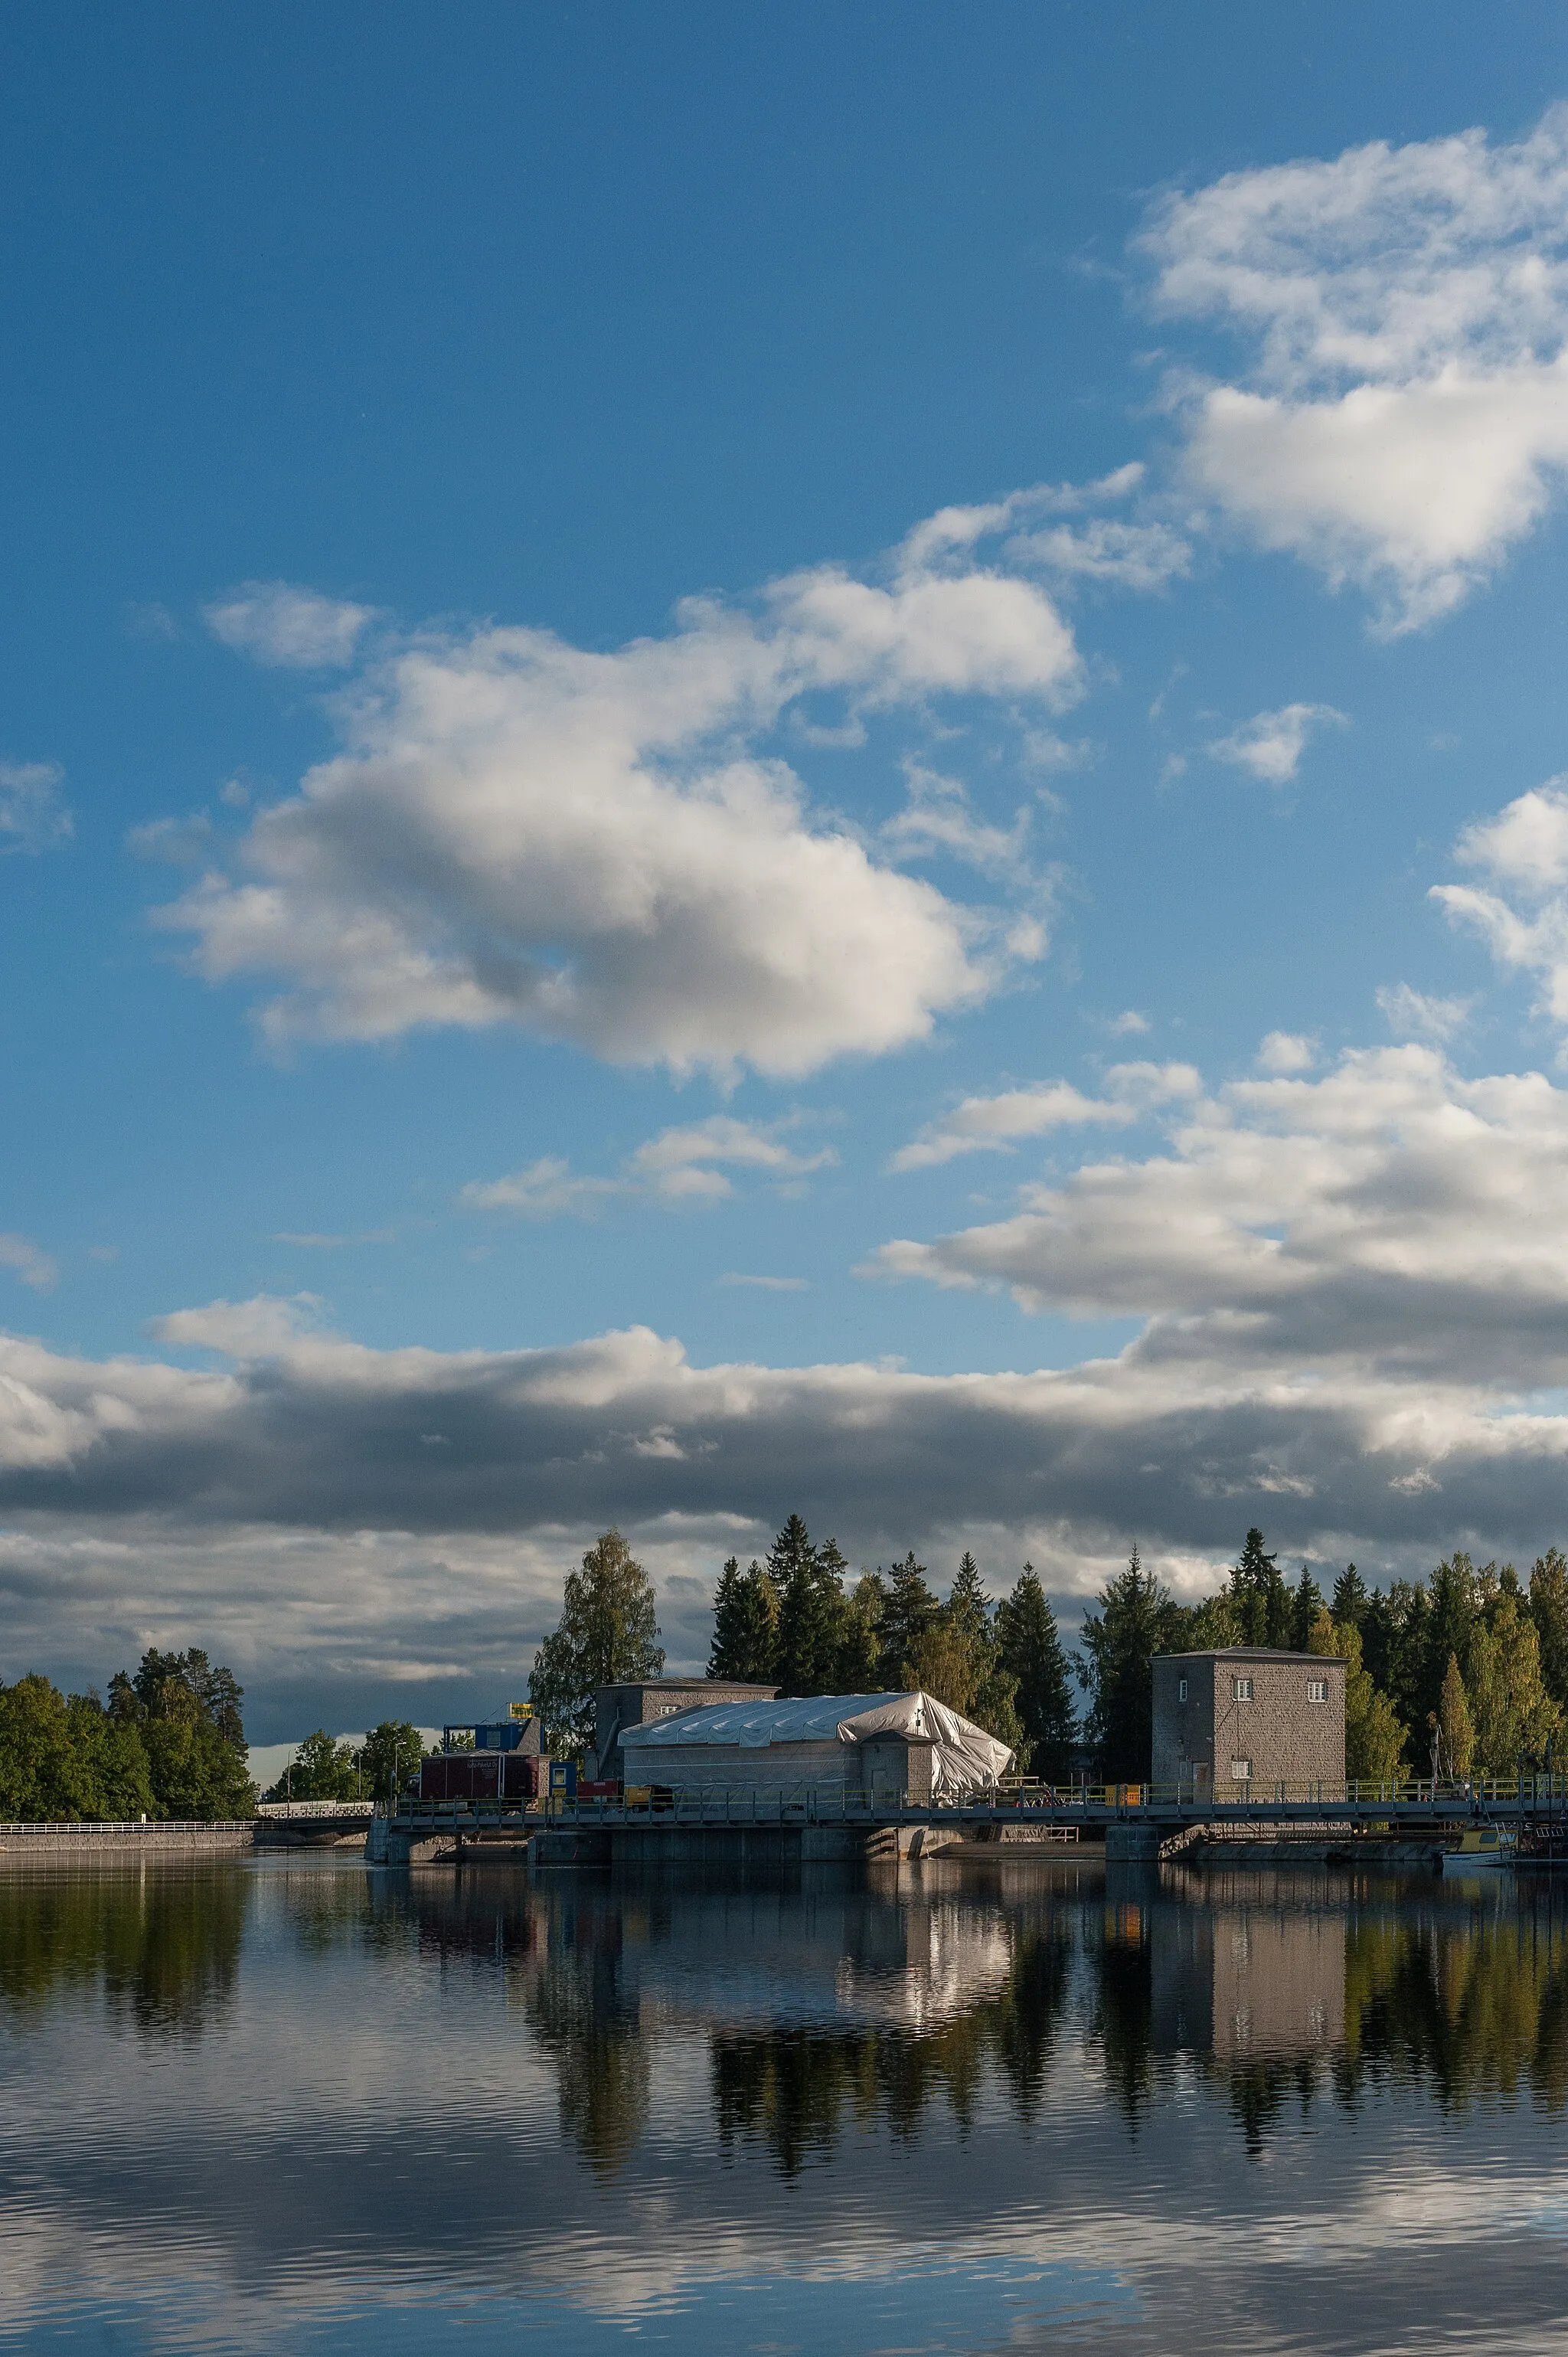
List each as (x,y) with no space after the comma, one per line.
(523,826)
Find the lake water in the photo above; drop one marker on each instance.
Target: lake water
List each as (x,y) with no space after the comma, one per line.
(264,2105)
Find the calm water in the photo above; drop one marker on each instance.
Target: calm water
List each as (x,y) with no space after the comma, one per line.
(260,2107)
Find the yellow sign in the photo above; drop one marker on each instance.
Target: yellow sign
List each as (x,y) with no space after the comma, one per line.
(521,1709)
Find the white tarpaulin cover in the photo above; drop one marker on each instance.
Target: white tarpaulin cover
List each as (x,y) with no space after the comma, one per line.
(963,1757)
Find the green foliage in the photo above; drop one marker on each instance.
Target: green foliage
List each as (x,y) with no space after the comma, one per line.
(1207,1627)
(1452,1725)
(187,1714)
(746,1626)
(1374,1736)
(392,1752)
(165,1747)
(1515,1716)
(809,1581)
(1549,1611)
(956,1658)
(1305,1604)
(1348,1602)
(608,1635)
(909,1612)
(322,1771)
(1136,1619)
(1031,1653)
(860,1657)
(1262,1599)
(1453,1613)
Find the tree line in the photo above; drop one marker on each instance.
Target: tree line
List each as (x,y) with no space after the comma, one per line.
(323,1769)
(169,1742)
(1465,1671)
(793,1622)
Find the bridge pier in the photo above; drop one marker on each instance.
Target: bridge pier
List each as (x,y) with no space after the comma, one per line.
(1134,1843)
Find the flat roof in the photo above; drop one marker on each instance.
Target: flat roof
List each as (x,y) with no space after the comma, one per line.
(1251,1653)
(698,1679)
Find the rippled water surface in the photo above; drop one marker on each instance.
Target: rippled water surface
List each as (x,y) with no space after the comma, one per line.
(261,2106)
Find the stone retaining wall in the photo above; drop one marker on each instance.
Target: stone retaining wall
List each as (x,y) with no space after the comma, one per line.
(122,1840)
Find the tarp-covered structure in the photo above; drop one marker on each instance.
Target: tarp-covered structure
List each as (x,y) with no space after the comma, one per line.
(818,1740)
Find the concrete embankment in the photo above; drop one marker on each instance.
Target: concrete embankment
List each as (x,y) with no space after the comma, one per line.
(183,1840)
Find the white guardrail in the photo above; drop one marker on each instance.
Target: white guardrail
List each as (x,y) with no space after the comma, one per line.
(291,1810)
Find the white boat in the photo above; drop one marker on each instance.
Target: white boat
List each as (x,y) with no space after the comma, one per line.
(1478,1849)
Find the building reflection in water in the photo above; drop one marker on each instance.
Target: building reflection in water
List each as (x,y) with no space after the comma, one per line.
(828,2002)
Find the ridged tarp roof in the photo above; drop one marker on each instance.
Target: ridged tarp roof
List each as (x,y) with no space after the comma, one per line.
(963,1755)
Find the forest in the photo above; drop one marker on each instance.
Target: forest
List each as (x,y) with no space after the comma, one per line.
(169,1742)
(1465,1670)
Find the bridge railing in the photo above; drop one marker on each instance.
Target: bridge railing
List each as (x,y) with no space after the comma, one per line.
(1014,1802)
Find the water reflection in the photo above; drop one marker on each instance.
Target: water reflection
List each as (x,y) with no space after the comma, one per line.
(1003,2101)
(161,1949)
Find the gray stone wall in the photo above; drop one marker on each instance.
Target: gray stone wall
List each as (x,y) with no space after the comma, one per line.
(1284,1737)
(121,1840)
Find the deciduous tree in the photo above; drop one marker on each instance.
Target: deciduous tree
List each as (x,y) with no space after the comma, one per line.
(608,1635)
(1374,1735)
(1515,1716)
(1549,1611)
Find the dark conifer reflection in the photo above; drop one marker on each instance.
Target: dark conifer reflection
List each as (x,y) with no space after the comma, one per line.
(162,1943)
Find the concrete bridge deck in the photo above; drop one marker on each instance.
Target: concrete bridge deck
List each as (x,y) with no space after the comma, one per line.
(1134,1822)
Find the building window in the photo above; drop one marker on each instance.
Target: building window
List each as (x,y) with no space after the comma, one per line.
(1241,1689)
(1241,1771)
(1317,1690)
(1181,1689)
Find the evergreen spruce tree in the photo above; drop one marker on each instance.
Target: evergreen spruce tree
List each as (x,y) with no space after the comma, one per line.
(1349,1605)
(607,1634)
(1394,1647)
(1305,1604)
(860,1656)
(809,1581)
(1136,1619)
(746,1626)
(1452,1610)
(1261,1599)
(909,1612)
(1031,1651)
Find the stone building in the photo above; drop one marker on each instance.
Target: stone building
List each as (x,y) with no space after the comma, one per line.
(646,1700)
(1247,1719)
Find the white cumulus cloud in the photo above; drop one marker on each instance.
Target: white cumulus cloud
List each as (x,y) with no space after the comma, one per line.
(682,1165)
(991,1124)
(1402,419)
(1523,918)
(1271,743)
(595,846)
(33,815)
(286,627)
(1391,1214)
(1413,1013)
(25,1259)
